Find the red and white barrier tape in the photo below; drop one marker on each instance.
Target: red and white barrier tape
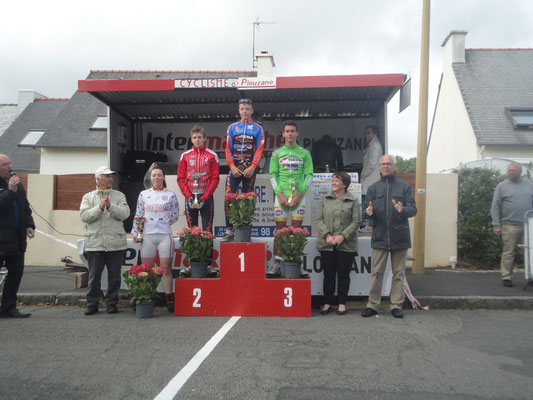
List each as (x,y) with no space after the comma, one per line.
(414,302)
(57,239)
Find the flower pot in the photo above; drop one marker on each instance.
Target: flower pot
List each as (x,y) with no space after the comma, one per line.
(199,269)
(242,233)
(290,269)
(145,309)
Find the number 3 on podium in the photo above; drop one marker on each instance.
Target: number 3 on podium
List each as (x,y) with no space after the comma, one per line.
(287,301)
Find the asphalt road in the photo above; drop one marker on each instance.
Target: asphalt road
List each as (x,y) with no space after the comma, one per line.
(59,353)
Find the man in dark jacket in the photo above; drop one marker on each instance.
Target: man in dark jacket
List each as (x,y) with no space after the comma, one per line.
(16,223)
(326,152)
(390,203)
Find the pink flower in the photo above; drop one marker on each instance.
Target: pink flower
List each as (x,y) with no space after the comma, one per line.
(184,231)
(231,196)
(158,271)
(196,231)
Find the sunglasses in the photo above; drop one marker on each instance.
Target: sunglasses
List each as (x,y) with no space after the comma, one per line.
(245,101)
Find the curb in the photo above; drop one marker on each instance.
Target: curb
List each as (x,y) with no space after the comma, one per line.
(434,302)
(59,299)
(477,302)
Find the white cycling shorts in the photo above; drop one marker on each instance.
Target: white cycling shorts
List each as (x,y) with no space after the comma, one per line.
(281,214)
(153,243)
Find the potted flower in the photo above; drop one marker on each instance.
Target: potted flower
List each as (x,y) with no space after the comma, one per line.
(241,208)
(197,247)
(142,281)
(291,242)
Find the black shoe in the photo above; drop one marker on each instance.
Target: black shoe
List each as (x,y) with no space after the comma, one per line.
(14,313)
(368,312)
(170,303)
(507,283)
(325,311)
(342,312)
(396,313)
(112,309)
(91,310)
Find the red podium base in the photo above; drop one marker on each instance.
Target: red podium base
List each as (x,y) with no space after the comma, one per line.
(242,289)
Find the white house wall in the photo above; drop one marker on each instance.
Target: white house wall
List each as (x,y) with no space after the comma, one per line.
(71,161)
(452,140)
(522,154)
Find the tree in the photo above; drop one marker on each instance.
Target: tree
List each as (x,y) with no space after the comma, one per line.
(475,241)
(406,165)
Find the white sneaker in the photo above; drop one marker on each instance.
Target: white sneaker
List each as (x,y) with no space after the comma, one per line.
(274,271)
(185,271)
(303,272)
(228,237)
(212,272)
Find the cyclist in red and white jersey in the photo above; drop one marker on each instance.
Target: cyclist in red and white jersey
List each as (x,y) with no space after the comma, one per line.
(198,178)
(159,206)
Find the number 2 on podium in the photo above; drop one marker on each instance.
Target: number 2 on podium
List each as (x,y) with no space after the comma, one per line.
(241,257)
(198,293)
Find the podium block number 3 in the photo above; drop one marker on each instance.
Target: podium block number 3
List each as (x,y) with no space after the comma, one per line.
(287,301)
(241,257)
(197,292)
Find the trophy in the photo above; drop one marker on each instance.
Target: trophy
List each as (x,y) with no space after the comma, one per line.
(294,185)
(195,190)
(140,226)
(243,164)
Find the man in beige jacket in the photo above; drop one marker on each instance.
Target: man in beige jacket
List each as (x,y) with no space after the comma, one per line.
(103,210)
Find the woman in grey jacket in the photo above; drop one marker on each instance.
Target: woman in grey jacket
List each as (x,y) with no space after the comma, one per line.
(338,217)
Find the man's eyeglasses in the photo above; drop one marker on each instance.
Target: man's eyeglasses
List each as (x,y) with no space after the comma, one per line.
(245,101)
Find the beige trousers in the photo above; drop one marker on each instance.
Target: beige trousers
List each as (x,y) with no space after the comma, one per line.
(512,235)
(379,263)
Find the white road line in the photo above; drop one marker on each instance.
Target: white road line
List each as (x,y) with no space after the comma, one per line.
(183,376)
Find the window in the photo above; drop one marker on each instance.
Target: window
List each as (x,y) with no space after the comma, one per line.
(100,124)
(522,118)
(31,138)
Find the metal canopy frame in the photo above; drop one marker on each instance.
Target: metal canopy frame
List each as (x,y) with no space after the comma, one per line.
(306,97)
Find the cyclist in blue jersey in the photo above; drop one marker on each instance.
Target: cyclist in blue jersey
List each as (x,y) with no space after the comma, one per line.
(244,149)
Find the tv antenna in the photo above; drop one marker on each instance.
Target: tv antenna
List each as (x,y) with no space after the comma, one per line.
(256,24)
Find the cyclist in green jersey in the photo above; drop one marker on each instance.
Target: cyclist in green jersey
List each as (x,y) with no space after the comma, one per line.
(291,172)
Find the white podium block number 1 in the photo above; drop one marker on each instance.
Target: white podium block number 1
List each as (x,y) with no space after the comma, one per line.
(287,301)
(241,257)
(198,293)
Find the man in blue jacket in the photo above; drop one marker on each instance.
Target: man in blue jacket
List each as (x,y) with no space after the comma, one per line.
(16,223)
(390,203)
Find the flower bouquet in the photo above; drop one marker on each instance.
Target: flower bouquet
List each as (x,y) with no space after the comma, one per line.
(142,281)
(291,242)
(241,209)
(197,247)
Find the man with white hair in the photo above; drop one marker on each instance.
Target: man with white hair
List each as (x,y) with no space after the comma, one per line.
(16,223)
(512,198)
(103,210)
(390,204)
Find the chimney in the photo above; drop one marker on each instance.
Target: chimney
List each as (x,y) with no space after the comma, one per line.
(454,47)
(265,64)
(26,97)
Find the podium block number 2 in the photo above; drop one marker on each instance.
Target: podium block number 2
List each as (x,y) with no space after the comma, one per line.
(241,257)
(197,292)
(287,301)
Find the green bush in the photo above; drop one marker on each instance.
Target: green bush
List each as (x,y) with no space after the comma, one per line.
(476,244)
(407,165)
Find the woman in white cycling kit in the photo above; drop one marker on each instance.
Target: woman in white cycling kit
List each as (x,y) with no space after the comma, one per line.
(159,207)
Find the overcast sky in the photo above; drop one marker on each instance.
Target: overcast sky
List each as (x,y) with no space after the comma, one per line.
(49,45)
